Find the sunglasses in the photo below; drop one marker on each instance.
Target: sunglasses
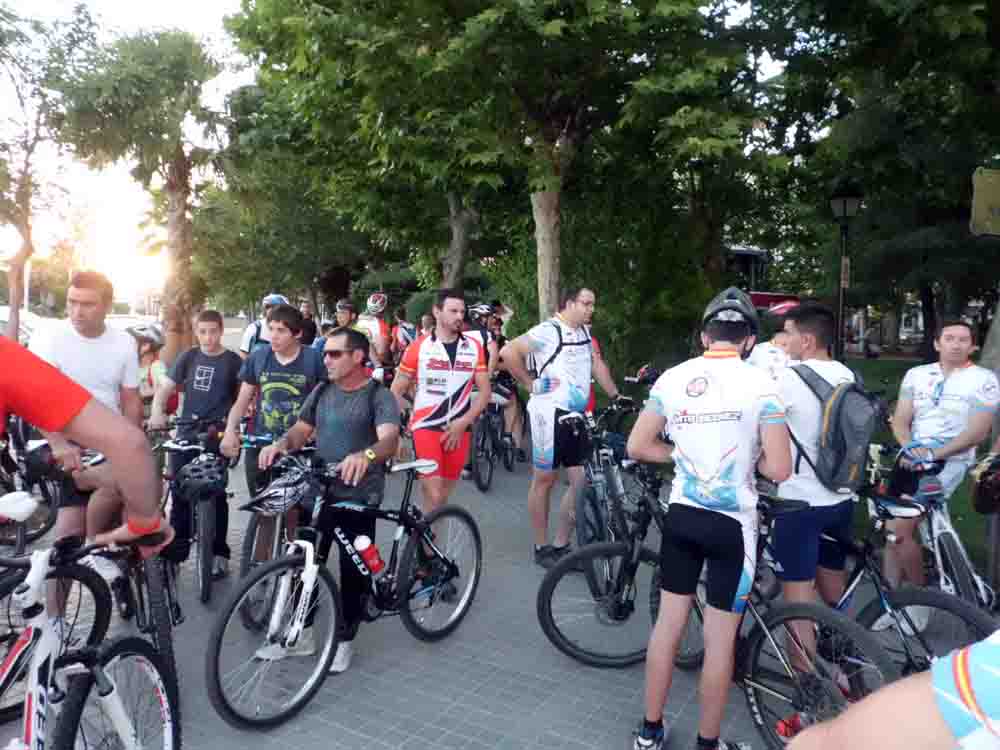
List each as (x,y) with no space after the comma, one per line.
(335,353)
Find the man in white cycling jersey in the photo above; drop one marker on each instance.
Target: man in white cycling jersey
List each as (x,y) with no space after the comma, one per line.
(563,361)
(944,411)
(726,421)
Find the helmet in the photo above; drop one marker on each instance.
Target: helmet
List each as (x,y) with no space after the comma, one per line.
(204,476)
(273,299)
(732,305)
(297,486)
(147,332)
(986,485)
(376,304)
(480,310)
(345,305)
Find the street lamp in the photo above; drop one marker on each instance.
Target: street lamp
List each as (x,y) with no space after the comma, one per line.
(845,202)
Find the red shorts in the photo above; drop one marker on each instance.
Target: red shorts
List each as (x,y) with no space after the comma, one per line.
(427,444)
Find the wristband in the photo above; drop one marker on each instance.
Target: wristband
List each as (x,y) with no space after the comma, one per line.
(141,529)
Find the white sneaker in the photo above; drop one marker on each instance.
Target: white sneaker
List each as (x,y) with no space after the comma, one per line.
(105,568)
(342,659)
(275,651)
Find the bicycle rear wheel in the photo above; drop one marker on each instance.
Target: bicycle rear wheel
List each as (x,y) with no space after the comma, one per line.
(931,624)
(134,668)
(482,456)
(606,627)
(956,569)
(788,687)
(256,680)
(203,550)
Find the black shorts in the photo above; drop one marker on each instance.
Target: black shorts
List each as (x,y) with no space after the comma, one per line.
(694,538)
(555,443)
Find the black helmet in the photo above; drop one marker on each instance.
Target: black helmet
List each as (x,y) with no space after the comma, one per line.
(732,305)
(204,476)
(986,485)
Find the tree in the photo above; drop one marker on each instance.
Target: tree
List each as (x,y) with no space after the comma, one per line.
(134,100)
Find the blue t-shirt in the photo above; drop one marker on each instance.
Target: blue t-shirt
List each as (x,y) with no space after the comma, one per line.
(282,389)
(209,382)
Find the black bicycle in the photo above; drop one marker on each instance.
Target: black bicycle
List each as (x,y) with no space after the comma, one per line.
(275,636)
(26,466)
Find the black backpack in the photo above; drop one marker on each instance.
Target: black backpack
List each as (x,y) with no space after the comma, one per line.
(849,419)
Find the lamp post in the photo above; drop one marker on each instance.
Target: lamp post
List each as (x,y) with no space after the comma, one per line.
(845,202)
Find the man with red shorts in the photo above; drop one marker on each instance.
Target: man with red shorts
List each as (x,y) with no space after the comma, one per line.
(445,365)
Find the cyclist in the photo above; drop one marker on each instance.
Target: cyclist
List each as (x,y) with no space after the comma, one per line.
(444,366)
(149,339)
(258,335)
(513,411)
(726,420)
(346,313)
(404,333)
(772,356)
(355,421)
(954,705)
(478,317)
(372,323)
(562,351)
(309,328)
(944,411)
(208,374)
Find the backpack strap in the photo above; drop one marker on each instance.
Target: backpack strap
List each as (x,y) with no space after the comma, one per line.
(559,347)
(816,383)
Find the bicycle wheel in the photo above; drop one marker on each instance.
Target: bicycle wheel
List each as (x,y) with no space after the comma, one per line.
(203,550)
(49,492)
(788,688)
(508,453)
(591,518)
(160,624)
(956,569)
(240,660)
(482,456)
(603,629)
(691,652)
(931,624)
(134,668)
(254,609)
(85,621)
(439,573)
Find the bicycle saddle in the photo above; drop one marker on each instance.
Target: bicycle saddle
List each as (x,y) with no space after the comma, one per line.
(897,508)
(422,465)
(18,506)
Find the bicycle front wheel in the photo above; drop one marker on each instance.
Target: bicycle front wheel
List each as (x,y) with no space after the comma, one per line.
(206,543)
(790,684)
(925,624)
(956,568)
(607,625)
(439,573)
(133,668)
(161,623)
(260,678)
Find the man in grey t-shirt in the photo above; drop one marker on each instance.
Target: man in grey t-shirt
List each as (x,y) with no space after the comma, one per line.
(356,423)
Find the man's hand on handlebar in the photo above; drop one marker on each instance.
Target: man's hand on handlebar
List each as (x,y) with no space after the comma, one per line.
(66,455)
(230,445)
(269,455)
(353,469)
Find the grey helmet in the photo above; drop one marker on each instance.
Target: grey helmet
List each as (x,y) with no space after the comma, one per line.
(732,305)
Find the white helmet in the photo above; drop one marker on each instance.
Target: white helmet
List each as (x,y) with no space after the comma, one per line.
(149,332)
(377,303)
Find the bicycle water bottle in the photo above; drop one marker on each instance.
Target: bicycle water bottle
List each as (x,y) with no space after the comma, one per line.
(371,556)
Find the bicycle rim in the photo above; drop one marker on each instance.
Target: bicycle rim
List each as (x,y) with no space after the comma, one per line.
(257,678)
(609,628)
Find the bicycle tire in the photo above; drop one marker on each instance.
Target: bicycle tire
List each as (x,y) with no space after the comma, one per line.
(161,623)
(957,569)
(569,566)
(978,624)
(410,576)
(213,675)
(206,543)
(867,657)
(482,456)
(80,687)
(42,521)
(247,562)
(508,454)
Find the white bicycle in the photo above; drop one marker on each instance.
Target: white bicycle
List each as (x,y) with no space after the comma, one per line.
(115,693)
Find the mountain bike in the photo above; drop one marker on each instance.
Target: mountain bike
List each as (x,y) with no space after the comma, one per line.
(26,465)
(116,693)
(431,586)
(490,441)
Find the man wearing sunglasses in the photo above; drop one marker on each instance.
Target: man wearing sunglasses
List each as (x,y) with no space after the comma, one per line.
(944,411)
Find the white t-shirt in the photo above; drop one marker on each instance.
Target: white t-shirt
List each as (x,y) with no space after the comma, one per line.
(770,358)
(103,365)
(251,333)
(804,413)
(942,406)
(571,365)
(714,406)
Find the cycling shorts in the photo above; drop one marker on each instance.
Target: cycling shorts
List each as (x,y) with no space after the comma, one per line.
(694,538)
(554,444)
(798,546)
(902,481)
(965,684)
(427,445)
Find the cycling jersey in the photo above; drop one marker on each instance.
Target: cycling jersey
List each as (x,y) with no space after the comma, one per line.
(966,686)
(443,388)
(376,329)
(563,353)
(36,391)
(770,358)
(943,405)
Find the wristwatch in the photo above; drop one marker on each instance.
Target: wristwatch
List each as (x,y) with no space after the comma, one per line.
(370,455)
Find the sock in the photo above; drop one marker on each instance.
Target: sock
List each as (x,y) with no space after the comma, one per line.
(704,744)
(650,728)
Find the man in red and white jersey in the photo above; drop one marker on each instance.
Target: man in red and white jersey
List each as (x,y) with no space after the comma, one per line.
(445,365)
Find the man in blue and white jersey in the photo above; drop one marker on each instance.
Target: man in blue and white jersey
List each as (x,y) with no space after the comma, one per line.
(726,421)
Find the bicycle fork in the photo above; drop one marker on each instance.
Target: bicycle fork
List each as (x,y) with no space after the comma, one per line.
(114,708)
(310,570)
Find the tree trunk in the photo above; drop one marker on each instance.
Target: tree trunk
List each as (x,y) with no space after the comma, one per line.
(546,213)
(177,303)
(929,309)
(462,220)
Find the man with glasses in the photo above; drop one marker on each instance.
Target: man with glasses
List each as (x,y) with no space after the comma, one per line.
(944,411)
(258,335)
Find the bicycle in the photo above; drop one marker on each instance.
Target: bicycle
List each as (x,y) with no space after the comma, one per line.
(25,465)
(54,676)
(847,664)
(428,586)
(490,441)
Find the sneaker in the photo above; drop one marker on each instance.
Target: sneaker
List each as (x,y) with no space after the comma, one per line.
(543,556)
(105,568)
(646,740)
(220,567)
(275,651)
(342,659)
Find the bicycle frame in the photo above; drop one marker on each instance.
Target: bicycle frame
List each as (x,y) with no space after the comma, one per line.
(936,525)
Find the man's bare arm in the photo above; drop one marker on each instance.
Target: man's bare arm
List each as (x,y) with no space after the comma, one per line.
(514,355)
(602,373)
